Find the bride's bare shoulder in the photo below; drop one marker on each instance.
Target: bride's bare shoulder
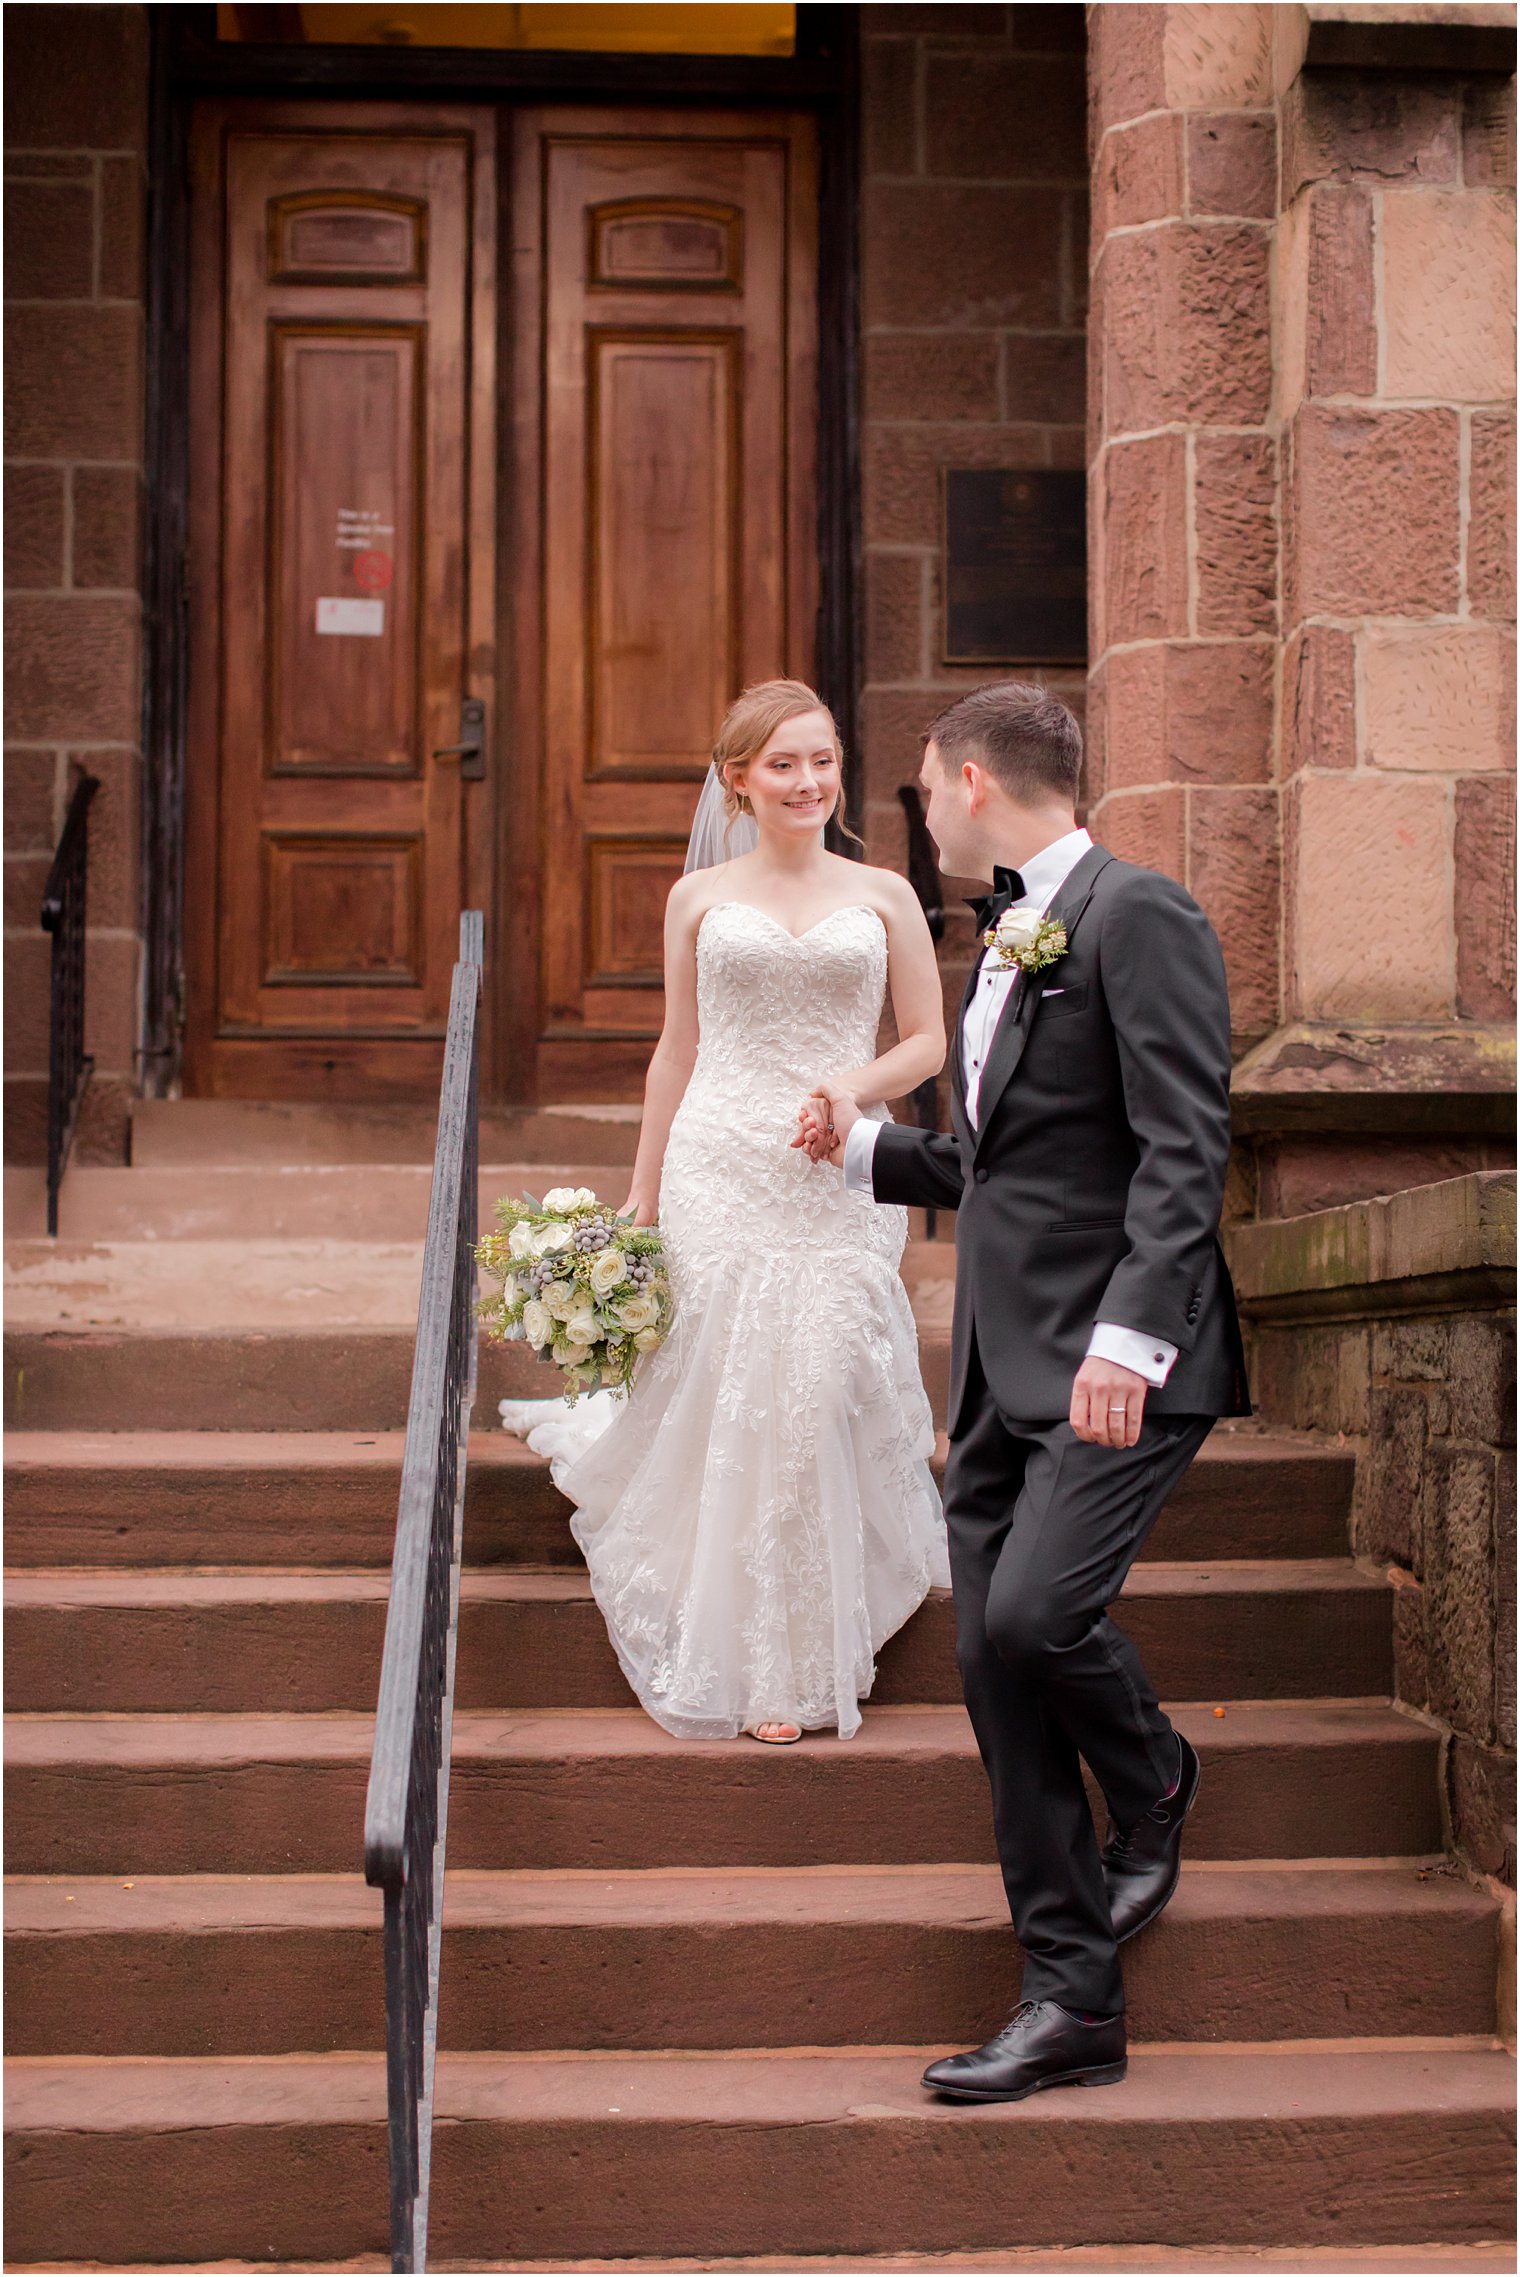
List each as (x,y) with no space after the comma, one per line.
(692,896)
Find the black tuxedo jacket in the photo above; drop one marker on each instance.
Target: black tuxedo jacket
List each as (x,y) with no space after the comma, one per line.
(1092,1186)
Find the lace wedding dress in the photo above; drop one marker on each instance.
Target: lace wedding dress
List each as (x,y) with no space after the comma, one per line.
(758,1515)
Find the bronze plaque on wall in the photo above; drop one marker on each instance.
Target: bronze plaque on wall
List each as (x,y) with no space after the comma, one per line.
(1015,566)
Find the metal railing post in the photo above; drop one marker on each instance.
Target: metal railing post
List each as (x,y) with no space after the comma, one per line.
(406,1810)
(63,915)
(923,876)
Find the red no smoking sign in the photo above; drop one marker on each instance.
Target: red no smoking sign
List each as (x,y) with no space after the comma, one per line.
(373,571)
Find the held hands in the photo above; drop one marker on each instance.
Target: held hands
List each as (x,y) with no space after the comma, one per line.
(644,1209)
(1107,1403)
(825,1120)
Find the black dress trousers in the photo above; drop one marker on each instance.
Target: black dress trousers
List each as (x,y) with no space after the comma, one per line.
(1043,1529)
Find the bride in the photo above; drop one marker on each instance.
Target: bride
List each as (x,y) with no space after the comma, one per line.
(758,1515)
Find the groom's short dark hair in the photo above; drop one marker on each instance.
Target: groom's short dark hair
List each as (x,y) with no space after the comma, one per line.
(1023,735)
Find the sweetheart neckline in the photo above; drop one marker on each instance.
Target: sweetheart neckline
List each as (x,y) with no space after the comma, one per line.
(807,932)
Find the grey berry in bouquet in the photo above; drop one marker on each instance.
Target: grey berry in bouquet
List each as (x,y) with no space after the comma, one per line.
(583,1286)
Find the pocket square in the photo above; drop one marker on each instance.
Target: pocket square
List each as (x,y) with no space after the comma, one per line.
(1055,992)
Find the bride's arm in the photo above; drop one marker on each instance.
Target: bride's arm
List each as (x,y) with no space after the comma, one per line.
(675,1054)
(918,1006)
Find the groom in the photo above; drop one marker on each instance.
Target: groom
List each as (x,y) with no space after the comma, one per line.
(1095,1342)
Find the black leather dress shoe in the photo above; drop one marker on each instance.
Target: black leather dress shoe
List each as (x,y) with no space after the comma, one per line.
(1042,2046)
(1141,1863)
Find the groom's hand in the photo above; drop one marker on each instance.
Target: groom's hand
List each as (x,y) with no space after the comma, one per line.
(826,1121)
(1107,1403)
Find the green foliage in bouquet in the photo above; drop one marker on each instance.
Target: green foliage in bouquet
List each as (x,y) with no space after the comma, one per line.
(578,1283)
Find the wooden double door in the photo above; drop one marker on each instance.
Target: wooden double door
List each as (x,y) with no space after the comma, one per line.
(502,486)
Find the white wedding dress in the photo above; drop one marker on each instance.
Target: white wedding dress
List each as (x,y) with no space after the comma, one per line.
(758,1515)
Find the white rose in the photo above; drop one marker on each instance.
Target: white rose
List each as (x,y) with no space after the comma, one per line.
(550,1238)
(1016,928)
(511,1291)
(647,1339)
(608,1269)
(520,1240)
(572,1355)
(560,1299)
(561,1198)
(537,1325)
(581,1321)
(638,1313)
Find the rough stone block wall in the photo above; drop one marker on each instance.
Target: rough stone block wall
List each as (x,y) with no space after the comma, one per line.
(76,85)
(1301,457)
(974,234)
(1433,1402)
(1427,1393)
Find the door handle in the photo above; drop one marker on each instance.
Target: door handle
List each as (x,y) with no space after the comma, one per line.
(470,750)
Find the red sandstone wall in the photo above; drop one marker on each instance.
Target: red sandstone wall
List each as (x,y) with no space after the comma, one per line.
(75,120)
(1302,464)
(1183,505)
(1396,401)
(974,233)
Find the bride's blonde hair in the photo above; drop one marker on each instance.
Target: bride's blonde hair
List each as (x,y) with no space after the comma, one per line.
(750,722)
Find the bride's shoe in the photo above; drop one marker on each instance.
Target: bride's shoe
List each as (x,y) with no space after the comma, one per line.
(774,1734)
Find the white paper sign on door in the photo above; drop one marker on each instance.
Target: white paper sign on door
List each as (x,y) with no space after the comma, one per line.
(338,613)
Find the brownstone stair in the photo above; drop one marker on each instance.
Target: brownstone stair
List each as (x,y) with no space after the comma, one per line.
(688,1988)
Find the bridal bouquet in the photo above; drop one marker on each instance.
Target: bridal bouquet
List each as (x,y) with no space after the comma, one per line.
(580,1284)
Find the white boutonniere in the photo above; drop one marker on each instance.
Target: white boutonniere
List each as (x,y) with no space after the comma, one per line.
(1022,938)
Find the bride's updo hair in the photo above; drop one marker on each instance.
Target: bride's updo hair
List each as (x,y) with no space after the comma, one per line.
(750,722)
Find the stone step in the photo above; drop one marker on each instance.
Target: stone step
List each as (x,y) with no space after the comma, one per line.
(278,1201)
(272,1378)
(328,1499)
(573,2157)
(92,1372)
(836,1956)
(592,1788)
(212,1133)
(164,1642)
(1418,2260)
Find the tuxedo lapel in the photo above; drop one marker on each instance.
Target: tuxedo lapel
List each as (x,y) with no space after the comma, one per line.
(1012,1033)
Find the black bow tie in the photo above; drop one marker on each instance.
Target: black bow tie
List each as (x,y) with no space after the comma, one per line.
(1007,888)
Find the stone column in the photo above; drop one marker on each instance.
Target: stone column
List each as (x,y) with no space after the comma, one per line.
(76,116)
(1184,473)
(1301,451)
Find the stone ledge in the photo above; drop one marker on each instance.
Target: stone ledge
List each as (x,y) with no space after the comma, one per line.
(1318,1076)
(1440,1248)
(1464,39)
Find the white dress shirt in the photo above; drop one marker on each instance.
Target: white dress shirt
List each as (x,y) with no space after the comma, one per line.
(1043,874)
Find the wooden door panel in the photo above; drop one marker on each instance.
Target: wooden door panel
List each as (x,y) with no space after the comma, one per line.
(338,369)
(358,238)
(347,635)
(674,270)
(663,517)
(627,880)
(342,910)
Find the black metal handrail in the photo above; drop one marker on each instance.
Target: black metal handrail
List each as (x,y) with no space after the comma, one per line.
(924,878)
(63,915)
(407,1808)
(923,863)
